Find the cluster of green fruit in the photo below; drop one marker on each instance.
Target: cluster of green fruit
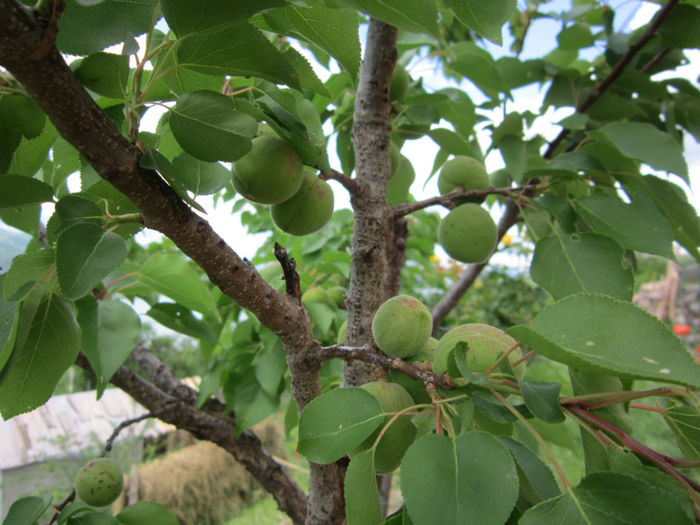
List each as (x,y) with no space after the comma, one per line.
(273,173)
(401,328)
(99,482)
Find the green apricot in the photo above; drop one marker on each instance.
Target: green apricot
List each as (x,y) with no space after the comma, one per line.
(402,326)
(398,437)
(337,295)
(399,82)
(316,294)
(270,173)
(485,344)
(400,182)
(463,171)
(99,482)
(395,157)
(342,332)
(468,233)
(427,353)
(501,179)
(308,210)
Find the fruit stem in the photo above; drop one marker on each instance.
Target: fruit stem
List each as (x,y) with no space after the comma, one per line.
(498,361)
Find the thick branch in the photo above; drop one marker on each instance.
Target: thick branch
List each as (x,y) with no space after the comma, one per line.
(217,428)
(619,68)
(372,215)
(467,278)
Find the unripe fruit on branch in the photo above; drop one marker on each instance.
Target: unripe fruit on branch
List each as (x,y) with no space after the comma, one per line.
(316,294)
(485,344)
(308,210)
(99,482)
(399,82)
(398,437)
(402,326)
(400,182)
(468,233)
(427,353)
(463,171)
(270,173)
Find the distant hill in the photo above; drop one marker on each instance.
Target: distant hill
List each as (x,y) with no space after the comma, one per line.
(12,243)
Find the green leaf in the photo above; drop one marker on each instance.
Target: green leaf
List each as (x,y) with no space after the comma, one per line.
(543,400)
(467,479)
(208,126)
(335,423)
(602,335)
(26,511)
(40,359)
(680,213)
(478,66)
(69,211)
(681,29)
(18,191)
(186,17)
(155,160)
(628,463)
(25,218)
(248,400)
(146,512)
(581,262)
(178,318)
(575,37)
(647,143)
(118,329)
(31,154)
(249,54)
(104,73)
(485,18)
(296,120)
(110,22)
(636,226)
(270,366)
(25,269)
(607,498)
(305,73)
(22,114)
(9,322)
(685,423)
(419,16)
(532,471)
(173,277)
(361,493)
(336,31)
(85,253)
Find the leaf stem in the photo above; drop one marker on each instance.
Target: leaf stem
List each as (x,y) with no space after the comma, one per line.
(540,440)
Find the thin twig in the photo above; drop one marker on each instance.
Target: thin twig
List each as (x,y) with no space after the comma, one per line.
(624,61)
(458,193)
(368,355)
(348,183)
(289,269)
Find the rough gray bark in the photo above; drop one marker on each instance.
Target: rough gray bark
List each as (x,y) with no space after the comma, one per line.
(372,213)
